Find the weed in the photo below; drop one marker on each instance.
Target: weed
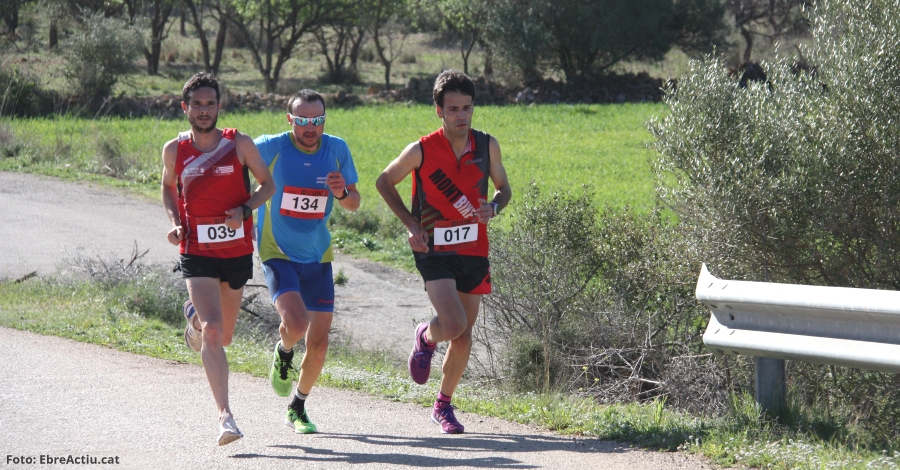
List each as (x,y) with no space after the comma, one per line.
(341,279)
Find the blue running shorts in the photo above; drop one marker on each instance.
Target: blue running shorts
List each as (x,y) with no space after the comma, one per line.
(313,281)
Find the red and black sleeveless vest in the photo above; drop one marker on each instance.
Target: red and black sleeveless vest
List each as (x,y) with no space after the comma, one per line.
(208,185)
(446,190)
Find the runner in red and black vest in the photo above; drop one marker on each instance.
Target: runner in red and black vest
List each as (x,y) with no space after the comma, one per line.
(447,227)
(206,193)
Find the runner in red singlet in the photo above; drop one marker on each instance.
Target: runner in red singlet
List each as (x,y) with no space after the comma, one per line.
(206,194)
(447,227)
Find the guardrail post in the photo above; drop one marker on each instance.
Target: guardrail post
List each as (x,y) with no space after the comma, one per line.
(770,383)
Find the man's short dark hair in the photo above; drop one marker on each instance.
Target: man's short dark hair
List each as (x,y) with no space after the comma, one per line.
(305,95)
(452,80)
(199,80)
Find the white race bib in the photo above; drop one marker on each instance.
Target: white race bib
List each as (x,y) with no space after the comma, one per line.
(216,233)
(304,203)
(454,235)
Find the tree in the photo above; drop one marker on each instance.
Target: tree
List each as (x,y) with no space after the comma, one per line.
(387,20)
(769,19)
(584,39)
(158,16)
(340,39)
(219,12)
(9,10)
(272,29)
(467,21)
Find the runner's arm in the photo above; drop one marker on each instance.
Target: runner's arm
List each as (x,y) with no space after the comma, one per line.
(249,156)
(397,171)
(336,184)
(169,190)
(502,190)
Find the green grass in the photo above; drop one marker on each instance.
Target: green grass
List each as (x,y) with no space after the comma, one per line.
(87,312)
(556,146)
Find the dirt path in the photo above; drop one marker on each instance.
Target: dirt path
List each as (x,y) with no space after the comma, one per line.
(47,221)
(63,398)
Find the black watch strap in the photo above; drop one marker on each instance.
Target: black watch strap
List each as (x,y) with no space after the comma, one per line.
(247,211)
(346,193)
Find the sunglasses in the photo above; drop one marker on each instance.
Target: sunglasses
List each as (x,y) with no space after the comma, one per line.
(302,121)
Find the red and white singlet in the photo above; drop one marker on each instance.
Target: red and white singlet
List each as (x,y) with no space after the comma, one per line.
(208,185)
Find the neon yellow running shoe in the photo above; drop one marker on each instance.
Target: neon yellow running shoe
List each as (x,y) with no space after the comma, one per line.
(300,422)
(281,374)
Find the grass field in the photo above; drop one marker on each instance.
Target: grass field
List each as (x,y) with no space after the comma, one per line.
(556,146)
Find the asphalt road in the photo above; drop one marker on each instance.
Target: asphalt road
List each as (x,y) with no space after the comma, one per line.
(61,398)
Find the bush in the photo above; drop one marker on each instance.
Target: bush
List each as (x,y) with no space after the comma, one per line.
(150,290)
(796,180)
(599,302)
(21,94)
(102,51)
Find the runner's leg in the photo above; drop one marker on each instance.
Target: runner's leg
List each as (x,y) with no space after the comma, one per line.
(451,320)
(457,357)
(294,318)
(205,295)
(316,349)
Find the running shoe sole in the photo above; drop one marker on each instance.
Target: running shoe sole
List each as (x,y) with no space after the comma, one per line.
(420,358)
(193,338)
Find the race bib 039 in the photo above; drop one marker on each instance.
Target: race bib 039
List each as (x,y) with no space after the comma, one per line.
(213,234)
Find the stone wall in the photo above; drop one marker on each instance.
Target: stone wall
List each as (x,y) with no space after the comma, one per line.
(607,89)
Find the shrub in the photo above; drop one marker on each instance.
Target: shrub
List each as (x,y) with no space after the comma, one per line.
(150,290)
(21,94)
(103,50)
(599,302)
(796,180)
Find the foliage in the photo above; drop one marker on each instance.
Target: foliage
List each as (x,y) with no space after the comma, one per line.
(769,20)
(600,303)
(101,52)
(796,181)
(388,22)
(586,38)
(272,29)
(21,94)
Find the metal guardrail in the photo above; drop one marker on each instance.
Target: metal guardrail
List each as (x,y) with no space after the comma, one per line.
(826,325)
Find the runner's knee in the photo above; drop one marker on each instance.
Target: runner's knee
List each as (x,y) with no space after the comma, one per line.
(294,324)
(317,346)
(214,334)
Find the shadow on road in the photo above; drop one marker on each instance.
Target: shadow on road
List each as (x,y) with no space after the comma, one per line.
(470,444)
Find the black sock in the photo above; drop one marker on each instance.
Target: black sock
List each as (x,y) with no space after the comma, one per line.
(286,356)
(298,401)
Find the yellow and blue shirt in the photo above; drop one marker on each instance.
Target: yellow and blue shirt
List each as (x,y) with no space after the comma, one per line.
(293,224)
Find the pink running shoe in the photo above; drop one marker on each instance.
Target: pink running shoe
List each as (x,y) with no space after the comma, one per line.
(420,358)
(443,414)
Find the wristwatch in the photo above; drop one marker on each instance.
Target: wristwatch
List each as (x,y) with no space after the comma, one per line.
(247,211)
(346,193)
(496,208)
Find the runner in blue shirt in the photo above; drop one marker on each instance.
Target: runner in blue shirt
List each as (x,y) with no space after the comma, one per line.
(311,171)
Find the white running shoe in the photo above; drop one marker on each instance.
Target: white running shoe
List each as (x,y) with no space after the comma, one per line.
(228,430)
(193,337)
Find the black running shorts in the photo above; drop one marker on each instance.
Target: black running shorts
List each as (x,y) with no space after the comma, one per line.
(234,271)
(472,273)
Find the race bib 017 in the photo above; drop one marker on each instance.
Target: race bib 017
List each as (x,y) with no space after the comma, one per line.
(455,235)
(304,203)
